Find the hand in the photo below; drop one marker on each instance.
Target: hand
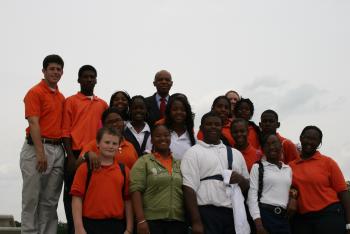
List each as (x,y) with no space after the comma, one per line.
(127,231)
(235,178)
(143,228)
(197,228)
(41,164)
(292,207)
(261,230)
(94,160)
(80,230)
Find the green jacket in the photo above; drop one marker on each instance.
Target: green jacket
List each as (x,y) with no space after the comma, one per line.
(161,192)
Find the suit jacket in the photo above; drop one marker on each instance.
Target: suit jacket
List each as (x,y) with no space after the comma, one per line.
(153,110)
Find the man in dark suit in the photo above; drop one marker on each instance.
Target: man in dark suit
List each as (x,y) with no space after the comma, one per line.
(157,102)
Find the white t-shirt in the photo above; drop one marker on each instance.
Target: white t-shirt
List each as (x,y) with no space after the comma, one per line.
(203,160)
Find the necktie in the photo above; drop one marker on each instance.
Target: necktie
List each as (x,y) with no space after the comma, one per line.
(162,107)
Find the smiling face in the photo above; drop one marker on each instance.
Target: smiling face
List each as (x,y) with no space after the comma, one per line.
(272,148)
(138,110)
(52,74)
(163,83)
(310,140)
(114,120)
(120,102)
(222,108)
(244,111)
(239,131)
(178,112)
(160,139)
(108,145)
(233,97)
(211,128)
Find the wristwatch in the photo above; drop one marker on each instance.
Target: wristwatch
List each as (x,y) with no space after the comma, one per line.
(347,226)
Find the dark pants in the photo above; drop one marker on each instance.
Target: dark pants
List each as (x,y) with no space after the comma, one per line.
(274,223)
(104,226)
(67,198)
(167,227)
(217,220)
(330,220)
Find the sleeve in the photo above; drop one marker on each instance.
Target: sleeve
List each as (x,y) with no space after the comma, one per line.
(127,184)
(336,176)
(67,118)
(252,200)
(138,176)
(79,182)
(32,104)
(200,135)
(290,151)
(190,170)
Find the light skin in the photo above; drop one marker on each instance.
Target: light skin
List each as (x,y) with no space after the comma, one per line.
(163,83)
(161,141)
(233,97)
(52,75)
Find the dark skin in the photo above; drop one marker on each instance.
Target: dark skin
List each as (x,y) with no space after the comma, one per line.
(163,83)
(310,141)
(160,139)
(268,124)
(222,108)
(239,132)
(178,114)
(87,82)
(138,112)
(211,128)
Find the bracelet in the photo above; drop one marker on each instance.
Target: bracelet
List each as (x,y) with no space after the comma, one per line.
(141,222)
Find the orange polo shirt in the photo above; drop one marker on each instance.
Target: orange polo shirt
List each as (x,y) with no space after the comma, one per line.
(318,180)
(166,162)
(103,198)
(251,156)
(225,131)
(253,138)
(81,118)
(290,152)
(47,104)
(126,153)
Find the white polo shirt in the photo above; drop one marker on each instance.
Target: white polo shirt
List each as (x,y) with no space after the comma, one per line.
(276,185)
(179,144)
(141,135)
(203,160)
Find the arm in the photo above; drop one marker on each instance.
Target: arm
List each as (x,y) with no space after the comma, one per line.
(344,197)
(242,182)
(191,204)
(77,207)
(38,145)
(142,226)
(129,217)
(71,162)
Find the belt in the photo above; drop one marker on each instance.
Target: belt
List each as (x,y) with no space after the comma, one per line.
(45,141)
(275,209)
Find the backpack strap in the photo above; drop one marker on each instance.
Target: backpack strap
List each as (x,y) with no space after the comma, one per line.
(261,178)
(229,157)
(122,168)
(144,142)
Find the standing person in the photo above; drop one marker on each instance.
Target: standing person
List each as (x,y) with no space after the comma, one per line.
(222,106)
(268,195)
(42,154)
(323,200)
(268,125)
(245,109)
(121,101)
(239,130)
(156,103)
(206,199)
(156,189)
(137,130)
(101,202)
(233,96)
(81,117)
(179,120)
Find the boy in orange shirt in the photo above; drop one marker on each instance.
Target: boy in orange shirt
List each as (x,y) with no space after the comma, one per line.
(98,204)
(268,125)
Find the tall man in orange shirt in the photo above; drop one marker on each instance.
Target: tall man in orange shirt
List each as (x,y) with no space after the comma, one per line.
(42,155)
(81,119)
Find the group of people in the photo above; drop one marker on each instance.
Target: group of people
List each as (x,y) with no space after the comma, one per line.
(135,165)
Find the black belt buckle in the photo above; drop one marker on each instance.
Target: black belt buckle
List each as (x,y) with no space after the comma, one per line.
(277,210)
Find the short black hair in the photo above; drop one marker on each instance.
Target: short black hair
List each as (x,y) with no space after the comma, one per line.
(239,120)
(86,68)
(125,114)
(52,58)
(244,100)
(107,112)
(269,111)
(217,99)
(312,127)
(263,139)
(155,127)
(105,130)
(208,115)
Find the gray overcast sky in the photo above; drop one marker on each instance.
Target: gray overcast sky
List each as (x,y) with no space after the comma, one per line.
(292,56)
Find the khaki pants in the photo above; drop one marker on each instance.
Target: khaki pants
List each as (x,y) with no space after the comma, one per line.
(41,191)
